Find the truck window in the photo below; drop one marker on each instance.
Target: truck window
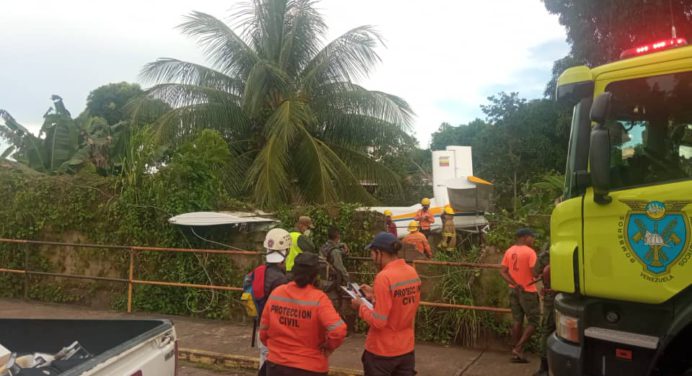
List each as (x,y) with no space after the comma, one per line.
(651,130)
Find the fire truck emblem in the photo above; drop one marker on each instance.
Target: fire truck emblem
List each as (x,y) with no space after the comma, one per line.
(657,233)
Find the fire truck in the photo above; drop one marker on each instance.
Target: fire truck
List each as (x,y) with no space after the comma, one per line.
(621,240)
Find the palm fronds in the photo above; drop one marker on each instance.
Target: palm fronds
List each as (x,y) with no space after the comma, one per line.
(286,102)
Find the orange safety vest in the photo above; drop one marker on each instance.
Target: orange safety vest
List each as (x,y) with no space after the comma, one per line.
(418,240)
(297,324)
(397,295)
(425,219)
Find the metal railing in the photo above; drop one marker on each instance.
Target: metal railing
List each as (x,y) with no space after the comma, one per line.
(463,265)
(131,281)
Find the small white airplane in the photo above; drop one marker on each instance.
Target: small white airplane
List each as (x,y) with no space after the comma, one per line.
(453,185)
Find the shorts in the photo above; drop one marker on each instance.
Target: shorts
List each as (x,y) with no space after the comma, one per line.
(402,365)
(525,304)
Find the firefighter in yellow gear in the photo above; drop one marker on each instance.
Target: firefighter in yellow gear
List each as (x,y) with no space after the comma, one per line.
(425,217)
(449,231)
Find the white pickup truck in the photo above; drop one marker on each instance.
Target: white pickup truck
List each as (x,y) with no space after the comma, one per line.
(106,347)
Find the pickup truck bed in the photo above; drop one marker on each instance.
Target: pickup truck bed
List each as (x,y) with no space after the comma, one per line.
(120,347)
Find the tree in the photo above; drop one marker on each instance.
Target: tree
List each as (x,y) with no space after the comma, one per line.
(299,128)
(108,122)
(519,140)
(463,135)
(55,145)
(65,144)
(109,102)
(414,168)
(598,31)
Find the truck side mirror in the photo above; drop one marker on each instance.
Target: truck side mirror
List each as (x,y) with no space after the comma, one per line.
(599,154)
(600,108)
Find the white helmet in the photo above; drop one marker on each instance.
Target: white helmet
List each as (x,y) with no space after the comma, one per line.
(277,242)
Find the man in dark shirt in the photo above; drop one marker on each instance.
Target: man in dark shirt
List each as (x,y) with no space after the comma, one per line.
(333,252)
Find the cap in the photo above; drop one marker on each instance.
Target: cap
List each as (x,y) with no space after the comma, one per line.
(305,220)
(307,259)
(524,232)
(306,263)
(383,241)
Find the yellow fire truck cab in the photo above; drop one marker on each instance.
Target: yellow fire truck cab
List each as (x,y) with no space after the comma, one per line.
(621,241)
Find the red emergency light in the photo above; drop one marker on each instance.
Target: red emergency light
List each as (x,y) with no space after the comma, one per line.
(653,47)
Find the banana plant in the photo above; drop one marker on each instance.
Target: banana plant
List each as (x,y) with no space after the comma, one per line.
(62,145)
(24,147)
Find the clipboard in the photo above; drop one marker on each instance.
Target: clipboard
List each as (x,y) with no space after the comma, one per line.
(357,295)
(354,286)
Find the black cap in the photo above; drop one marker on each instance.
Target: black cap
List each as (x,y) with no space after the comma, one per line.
(384,241)
(525,232)
(307,261)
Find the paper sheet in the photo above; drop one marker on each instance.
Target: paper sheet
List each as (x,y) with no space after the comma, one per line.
(355,295)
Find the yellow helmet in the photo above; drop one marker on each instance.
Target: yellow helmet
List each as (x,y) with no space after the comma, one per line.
(425,201)
(388,213)
(413,226)
(449,210)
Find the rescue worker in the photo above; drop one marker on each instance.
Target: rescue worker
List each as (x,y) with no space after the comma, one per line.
(276,242)
(449,230)
(389,346)
(517,271)
(333,252)
(425,217)
(389,224)
(416,239)
(299,325)
(301,240)
(542,271)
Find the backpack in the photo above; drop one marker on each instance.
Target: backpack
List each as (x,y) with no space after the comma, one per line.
(329,277)
(254,297)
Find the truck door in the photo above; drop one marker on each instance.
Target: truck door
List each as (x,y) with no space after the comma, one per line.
(637,247)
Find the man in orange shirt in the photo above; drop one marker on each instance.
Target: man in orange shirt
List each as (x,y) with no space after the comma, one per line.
(425,217)
(389,347)
(517,270)
(416,239)
(299,324)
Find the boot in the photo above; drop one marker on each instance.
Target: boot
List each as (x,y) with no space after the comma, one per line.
(543,368)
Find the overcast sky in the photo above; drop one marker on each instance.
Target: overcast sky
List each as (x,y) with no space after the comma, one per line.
(443,56)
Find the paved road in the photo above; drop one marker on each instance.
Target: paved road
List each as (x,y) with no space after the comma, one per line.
(234,338)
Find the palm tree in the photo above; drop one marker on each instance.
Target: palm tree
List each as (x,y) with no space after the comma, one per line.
(300,128)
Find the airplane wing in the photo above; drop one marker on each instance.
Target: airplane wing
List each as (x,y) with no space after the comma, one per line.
(217,218)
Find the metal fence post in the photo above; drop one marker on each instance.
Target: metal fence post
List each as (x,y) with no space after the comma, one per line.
(129,280)
(26,271)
